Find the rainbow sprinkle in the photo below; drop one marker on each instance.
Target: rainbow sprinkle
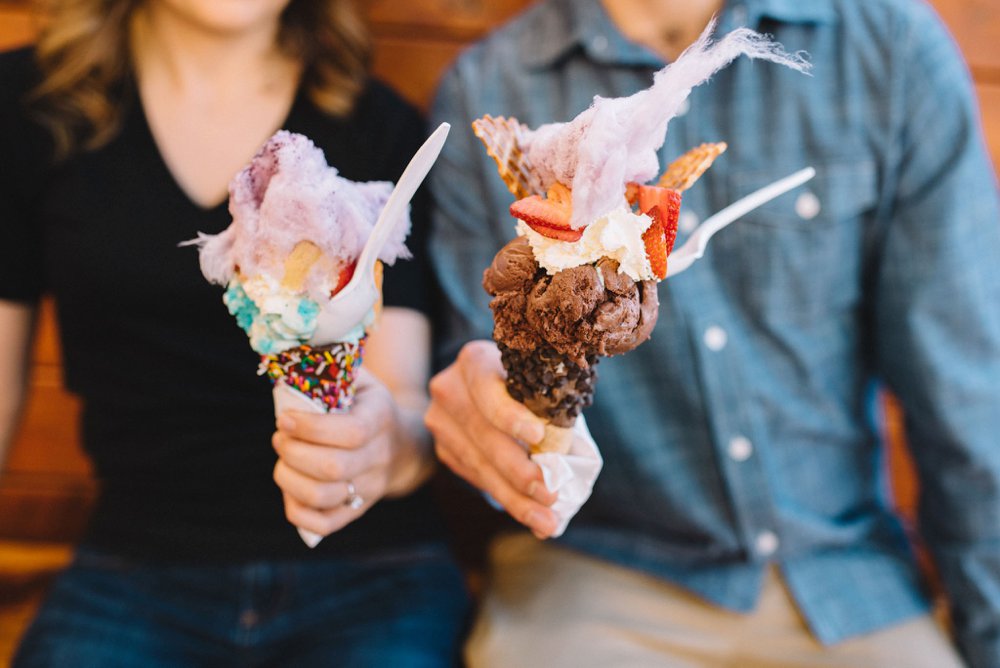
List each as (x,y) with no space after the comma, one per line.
(326,373)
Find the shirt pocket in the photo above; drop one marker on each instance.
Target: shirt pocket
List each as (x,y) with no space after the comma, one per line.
(798,258)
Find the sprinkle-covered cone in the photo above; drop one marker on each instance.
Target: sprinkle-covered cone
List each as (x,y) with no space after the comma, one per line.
(554,387)
(324,374)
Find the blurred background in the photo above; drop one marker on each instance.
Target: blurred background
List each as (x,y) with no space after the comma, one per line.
(47,488)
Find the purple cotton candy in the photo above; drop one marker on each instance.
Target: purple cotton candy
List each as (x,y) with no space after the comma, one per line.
(616,140)
(289,194)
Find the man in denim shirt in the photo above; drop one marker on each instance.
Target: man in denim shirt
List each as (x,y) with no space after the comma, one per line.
(741,456)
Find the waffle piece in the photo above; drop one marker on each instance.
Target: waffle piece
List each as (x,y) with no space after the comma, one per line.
(502,138)
(685,170)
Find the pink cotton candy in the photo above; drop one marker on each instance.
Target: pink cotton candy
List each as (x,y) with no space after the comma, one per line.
(616,140)
(289,194)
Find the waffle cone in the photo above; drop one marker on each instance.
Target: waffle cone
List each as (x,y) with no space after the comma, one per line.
(554,387)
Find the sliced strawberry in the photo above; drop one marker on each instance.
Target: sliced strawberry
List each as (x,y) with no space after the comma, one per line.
(345,276)
(655,239)
(667,202)
(548,217)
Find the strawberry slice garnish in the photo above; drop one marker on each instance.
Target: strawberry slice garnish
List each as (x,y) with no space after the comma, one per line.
(656,245)
(549,217)
(663,205)
(667,202)
(344,277)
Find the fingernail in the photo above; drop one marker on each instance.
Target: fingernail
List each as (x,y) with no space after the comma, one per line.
(538,492)
(540,522)
(530,431)
(286,422)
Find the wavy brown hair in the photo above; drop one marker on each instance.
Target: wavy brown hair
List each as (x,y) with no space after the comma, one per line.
(83,53)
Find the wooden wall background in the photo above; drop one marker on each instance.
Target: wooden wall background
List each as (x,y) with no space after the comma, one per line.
(46,490)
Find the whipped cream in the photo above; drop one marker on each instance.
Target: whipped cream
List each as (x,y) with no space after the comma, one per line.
(618,236)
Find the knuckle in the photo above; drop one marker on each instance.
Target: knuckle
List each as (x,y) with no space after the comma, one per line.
(522,479)
(330,468)
(313,496)
(440,385)
(462,455)
(453,463)
(466,355)
(381,457)
(335,523)
(353,435)
(431,419)
(522,513)
(442,452)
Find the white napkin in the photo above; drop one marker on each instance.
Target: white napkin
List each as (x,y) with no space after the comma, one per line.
(572,475)
(287,398)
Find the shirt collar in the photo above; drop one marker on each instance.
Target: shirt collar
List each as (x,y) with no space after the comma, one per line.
(560,26)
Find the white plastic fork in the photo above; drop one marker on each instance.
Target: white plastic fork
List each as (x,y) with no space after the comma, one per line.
(349,306)
(683,257)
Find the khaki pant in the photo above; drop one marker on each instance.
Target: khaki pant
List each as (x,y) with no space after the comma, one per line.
(550,607)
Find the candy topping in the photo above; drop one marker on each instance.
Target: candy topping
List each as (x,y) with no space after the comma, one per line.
(325,374)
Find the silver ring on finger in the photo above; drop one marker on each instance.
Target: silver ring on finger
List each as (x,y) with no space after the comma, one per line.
(353,500)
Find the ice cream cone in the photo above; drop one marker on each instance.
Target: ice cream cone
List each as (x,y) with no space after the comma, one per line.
(324,374)
(554,387)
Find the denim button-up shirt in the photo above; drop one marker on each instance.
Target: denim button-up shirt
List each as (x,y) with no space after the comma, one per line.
(742,433)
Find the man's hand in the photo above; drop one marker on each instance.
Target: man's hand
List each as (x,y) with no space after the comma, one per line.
(480,433)
(321,456)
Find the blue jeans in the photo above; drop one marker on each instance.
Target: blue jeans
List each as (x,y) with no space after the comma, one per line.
(403,608)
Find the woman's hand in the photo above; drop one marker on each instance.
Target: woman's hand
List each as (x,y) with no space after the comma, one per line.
(333,467)
(479,433)
(379,448)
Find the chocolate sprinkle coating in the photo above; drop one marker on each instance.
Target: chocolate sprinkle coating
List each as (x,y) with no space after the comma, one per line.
(549,383)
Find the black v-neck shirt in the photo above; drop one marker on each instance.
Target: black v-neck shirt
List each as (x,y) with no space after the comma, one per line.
(176,420)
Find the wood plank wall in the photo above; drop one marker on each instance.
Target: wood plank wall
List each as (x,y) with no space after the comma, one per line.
(47,488)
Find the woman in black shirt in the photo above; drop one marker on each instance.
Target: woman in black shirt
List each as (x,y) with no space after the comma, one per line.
(125,124)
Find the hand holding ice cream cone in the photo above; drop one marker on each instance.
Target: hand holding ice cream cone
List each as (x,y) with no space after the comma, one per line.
(596,219)
(481,433)
(297,233)
(334,466)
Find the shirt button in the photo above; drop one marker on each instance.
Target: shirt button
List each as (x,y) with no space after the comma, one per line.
(688,221)
(740,448)
(599,43)
(766,543)
(249,618)
(807,206)
(715,338)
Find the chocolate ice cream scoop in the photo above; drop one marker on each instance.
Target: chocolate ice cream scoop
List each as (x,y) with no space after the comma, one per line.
(579,312)
(512,268)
